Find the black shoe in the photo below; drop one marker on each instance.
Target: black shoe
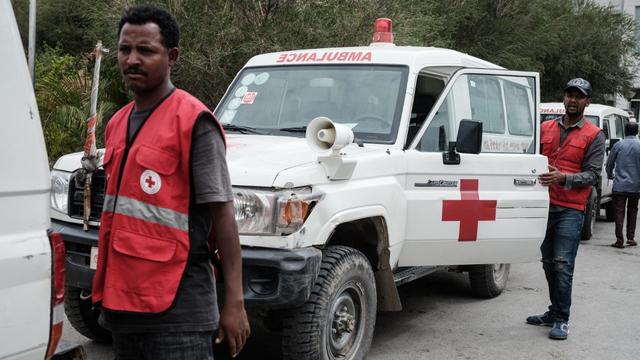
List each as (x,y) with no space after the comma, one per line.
(540,320)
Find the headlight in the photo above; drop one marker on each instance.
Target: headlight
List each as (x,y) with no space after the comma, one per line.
(60,190)
(272,212)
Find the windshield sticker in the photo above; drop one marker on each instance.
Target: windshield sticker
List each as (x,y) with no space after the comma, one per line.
(262,78)
(234,103)
(249,97)
(331,56)
(248,79)
(241,91)
(228,116)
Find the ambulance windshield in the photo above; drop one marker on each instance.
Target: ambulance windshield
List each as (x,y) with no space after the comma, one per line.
(283,100)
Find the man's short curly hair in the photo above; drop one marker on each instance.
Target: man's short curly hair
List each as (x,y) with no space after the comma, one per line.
(142,14)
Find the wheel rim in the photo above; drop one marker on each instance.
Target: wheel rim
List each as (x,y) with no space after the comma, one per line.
(346,322)
(499,273)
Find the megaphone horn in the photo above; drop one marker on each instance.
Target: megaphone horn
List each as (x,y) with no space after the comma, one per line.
(323,134)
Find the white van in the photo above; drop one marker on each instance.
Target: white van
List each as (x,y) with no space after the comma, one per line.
(612,121)
(356,170)
(31,266)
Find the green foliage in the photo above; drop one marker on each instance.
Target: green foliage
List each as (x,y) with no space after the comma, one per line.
(561,39)
(63,92)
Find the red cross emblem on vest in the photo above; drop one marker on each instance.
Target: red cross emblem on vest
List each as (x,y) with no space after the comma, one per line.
(469,210)
(149,181)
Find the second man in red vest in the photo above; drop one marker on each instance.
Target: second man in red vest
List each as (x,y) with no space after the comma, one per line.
(575,149)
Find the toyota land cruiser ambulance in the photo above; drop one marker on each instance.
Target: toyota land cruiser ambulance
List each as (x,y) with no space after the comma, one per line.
(612,122)
(356,170)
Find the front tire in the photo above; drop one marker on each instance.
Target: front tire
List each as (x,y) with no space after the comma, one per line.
(338,320)
(488,281)
(83,315)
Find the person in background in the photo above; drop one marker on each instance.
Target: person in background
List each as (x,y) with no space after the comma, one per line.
(575,149)
(167,194)
(623,166)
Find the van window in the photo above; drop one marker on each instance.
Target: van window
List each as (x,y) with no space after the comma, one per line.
(605,128)
(483,98)
(486,103)
(623,121)
(619,127)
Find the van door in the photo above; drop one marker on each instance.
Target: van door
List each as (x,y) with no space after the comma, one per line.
(25,254)
(489,208)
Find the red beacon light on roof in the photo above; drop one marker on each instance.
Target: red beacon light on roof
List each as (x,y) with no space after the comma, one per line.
(383,32)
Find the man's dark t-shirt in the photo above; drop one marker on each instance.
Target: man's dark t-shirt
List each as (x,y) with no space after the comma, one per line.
(195,307)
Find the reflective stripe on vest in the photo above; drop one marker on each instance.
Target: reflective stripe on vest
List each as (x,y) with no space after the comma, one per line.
(147,212)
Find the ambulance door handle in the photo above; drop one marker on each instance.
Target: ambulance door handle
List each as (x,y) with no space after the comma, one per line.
(524,182)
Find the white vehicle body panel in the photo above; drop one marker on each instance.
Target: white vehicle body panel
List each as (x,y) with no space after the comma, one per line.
(25,253)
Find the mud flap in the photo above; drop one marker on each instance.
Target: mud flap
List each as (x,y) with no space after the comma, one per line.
(388,297)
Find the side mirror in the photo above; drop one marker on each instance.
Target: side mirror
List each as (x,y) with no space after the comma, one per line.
(469,138)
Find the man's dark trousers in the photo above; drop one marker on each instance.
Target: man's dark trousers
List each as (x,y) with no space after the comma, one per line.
(630,201)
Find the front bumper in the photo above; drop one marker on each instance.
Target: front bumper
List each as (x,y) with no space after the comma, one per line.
(272,278)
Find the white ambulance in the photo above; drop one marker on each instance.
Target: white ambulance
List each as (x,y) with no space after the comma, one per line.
(31,262)
(612,121)
(356,170)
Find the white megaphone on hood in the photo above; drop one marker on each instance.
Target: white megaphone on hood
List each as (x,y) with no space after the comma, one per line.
(323,134)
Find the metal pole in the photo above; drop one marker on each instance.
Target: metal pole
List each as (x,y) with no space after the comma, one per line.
(622,6)
(32,40)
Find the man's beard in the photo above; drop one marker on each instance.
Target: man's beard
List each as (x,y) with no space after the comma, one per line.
(573,113)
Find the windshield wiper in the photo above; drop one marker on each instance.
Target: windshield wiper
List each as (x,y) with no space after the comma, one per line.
(242,129)
(296,129)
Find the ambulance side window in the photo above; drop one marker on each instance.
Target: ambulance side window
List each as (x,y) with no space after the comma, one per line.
(519,120)
(486,103)
(496,101)
(438,133)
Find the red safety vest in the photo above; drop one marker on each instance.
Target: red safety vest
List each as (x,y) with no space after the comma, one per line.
(144,232)
(568,159)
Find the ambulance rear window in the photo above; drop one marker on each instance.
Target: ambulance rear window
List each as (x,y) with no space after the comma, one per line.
(282,100)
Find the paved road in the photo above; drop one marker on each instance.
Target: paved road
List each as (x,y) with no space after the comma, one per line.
(442,320)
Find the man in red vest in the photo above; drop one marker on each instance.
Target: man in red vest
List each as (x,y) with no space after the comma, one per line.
(575,148)
(167,191)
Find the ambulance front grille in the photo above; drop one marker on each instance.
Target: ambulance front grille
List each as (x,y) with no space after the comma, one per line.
(76,196)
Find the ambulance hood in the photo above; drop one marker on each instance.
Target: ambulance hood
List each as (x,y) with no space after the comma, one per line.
(256,160)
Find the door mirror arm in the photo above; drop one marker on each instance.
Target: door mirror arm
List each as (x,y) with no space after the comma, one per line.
(451,157)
